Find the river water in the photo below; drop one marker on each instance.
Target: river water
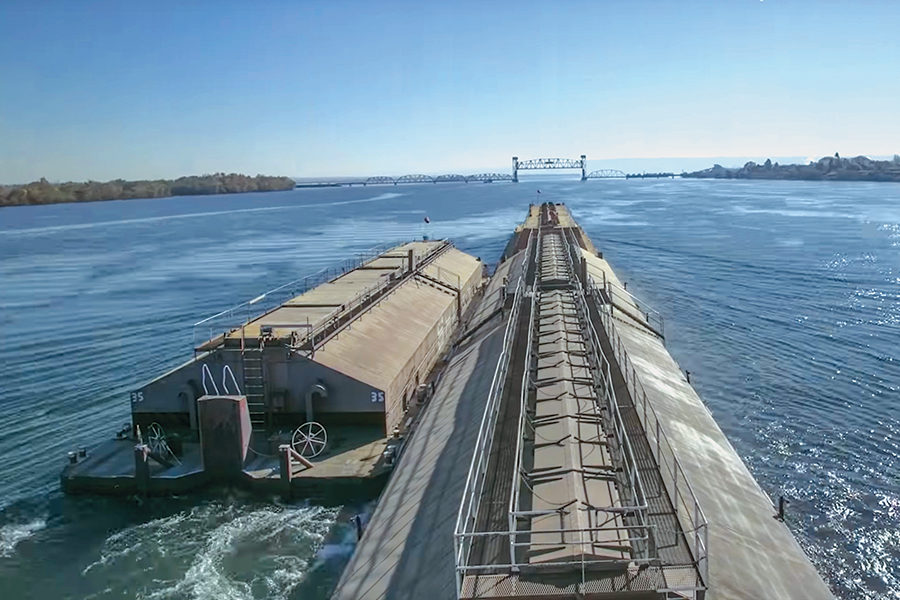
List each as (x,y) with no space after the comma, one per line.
(781,298)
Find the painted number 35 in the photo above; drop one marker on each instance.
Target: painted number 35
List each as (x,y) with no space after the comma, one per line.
(377,396)
(137,397)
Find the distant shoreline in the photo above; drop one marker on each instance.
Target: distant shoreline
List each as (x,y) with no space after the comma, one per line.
(829,168)
(43,192)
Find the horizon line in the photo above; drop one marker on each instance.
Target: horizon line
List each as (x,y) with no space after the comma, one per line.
(467,171)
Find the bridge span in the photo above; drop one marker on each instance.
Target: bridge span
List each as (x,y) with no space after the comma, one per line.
(531,164)
(548,163)
(406,179)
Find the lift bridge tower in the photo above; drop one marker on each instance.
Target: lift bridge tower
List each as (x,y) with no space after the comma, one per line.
(548,163)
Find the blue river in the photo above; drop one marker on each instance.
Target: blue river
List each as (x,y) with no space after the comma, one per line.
(781,298)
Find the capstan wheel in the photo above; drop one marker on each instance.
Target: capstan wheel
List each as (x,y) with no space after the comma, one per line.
(309,439)
(156,439)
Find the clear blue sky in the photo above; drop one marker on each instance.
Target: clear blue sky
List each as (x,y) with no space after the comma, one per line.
(154,89)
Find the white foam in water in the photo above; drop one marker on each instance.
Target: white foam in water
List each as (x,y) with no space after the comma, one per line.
(217,551)
(13,533)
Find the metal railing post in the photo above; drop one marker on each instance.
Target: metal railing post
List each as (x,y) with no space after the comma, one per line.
(667,462)
(677,500)
(696,531)
(657,437)
(512,542)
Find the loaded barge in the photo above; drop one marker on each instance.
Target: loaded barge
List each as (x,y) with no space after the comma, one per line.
(313,397)
(566,456)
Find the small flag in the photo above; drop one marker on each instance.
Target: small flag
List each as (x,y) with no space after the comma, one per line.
(427,220)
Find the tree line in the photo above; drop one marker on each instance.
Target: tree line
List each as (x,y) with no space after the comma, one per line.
(44,192)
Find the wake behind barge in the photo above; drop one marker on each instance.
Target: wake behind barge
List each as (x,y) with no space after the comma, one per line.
(315,396)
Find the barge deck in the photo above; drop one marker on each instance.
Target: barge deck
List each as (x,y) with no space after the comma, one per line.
(314,396)
(596,471)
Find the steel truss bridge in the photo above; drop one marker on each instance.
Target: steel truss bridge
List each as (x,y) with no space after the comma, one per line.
(414,178)
(548,163)
(480,177)
(517,165)
(607,174)
(577,163)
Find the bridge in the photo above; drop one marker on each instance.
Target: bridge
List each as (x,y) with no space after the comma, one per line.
(607,174)
(578,163)
(650,176)
(531,164)
(548,163)
(405,179)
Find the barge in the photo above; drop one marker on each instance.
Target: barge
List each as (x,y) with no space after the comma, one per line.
(528,434)
(313,396)
(566,456)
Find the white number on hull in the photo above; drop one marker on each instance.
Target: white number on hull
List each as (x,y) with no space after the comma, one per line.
(378,397)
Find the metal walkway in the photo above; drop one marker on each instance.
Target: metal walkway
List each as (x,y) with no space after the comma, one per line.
(565,499)
(405,552)
(556,504)
(585,471)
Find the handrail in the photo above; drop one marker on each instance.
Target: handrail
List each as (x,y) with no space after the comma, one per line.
(640,534)
(523,399)
(554,566)
(206,374)
(294,455)
(684,499)
(653,317)
(638,531)
(468,508)
(239,313)
(601,365)
(362,297)
(226,370)
(699,525)
(632,472)
(478,465)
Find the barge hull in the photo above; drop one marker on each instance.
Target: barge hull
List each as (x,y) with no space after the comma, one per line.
(735,545)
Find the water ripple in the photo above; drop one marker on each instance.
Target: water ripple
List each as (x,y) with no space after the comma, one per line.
(781,298)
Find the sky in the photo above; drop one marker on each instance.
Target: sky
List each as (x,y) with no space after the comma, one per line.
(103,90)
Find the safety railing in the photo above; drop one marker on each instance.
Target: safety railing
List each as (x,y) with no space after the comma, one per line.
(363,299)
(631,481)
(622,298)
(468,510)
(231,318)
(601,372)
(226,373)
(633,506)
(348,308)
(582,539)
(445,277)
(693,521)
(523,408)
(635,529)
(208,380)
